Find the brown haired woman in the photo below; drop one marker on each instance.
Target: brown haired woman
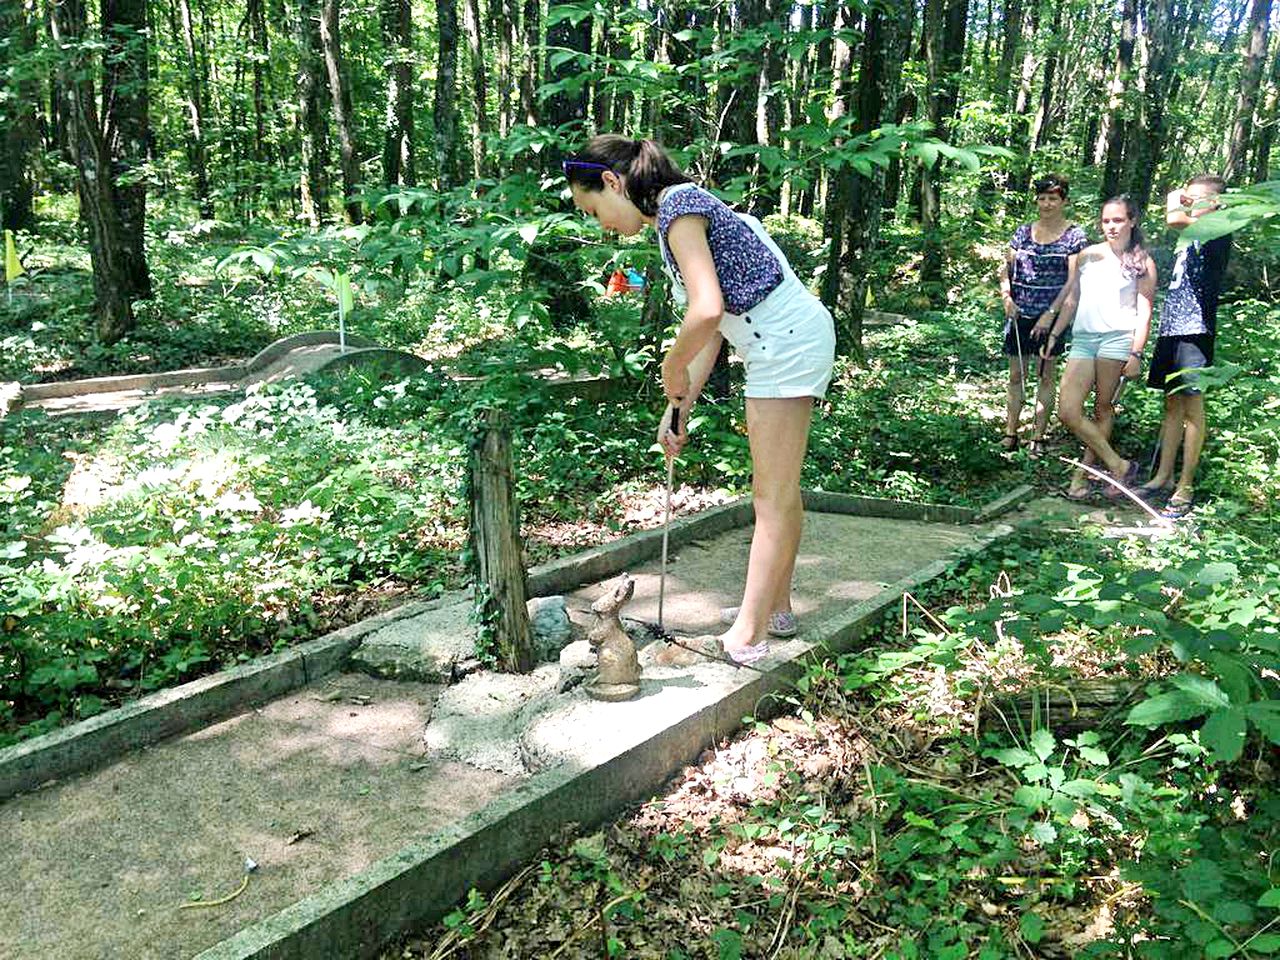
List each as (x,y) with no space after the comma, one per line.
(1038,270)
(735,284)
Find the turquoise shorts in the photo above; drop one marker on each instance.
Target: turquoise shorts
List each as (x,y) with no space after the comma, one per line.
(1101,346)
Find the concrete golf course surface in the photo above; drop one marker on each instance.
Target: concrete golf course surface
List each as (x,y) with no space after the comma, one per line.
(359,827)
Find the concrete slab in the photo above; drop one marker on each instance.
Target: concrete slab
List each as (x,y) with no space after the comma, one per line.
(315,787)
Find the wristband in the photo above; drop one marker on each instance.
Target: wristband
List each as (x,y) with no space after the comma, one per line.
(1135,353)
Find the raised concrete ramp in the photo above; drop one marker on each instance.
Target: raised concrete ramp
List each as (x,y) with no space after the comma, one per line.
(357,829)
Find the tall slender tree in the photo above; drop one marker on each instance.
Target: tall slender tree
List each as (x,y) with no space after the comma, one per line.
(99,205)
(1270,116)
(945,22)
(340,97)
(18,131)
(314,140)
(474,28)
(1114,124)
(448,148)
(397,140)
(1250,79)
(127,130)
(196,83)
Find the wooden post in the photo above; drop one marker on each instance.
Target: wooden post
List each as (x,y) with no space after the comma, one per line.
(495,542)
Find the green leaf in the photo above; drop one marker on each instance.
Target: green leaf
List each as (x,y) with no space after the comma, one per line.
(1032,797)
(1042,742)
(1165,708)
(1234,676)
(1013,757)
(1094,755)
(728,944)
(1265,715)
(1223,733)
(1201,880)
(1270,899)
(529,232)
(1220,948)
(1203,689)
(1265,943)
(1031,927)
(1043,833)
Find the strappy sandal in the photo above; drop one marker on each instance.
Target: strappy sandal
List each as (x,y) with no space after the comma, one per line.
(1176,509)
(1152,494)
(1128,481)
(1036,448)
(1009,442)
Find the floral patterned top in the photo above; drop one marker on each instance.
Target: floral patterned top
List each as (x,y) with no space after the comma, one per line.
(748,271)
(1038,271)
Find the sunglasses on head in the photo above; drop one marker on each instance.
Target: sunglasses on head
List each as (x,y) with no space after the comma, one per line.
(1049,186)
(568,165)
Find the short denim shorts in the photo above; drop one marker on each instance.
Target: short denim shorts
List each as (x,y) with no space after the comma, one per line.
(1114,345)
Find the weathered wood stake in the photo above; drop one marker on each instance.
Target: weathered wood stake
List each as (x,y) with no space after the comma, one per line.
(495,542)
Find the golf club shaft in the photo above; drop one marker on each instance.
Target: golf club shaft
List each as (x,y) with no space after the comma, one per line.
(666,530)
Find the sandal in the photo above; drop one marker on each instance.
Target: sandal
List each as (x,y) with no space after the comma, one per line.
(1126,482)
(1152,494)
(1009,442)
(782,623)
(748,654)
(1036,448)
(1176,509)
(1078,494)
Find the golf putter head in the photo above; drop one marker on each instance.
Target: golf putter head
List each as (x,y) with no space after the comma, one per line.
(1119,391)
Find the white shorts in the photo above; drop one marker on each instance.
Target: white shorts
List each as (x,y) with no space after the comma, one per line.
(787,343)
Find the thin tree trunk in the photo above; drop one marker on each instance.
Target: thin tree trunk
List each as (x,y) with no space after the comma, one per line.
(313,183)
(855,200)
(397,143)
(474,28)
(340,96)
(1250,78)
(98,206)
(1117,107)
(564,35)
(126,129)
(508,22)
(1267,129)
(446,108)
(20,131)
(769,101)
(195,112)
(529,76)
(945,31)
(1042,129)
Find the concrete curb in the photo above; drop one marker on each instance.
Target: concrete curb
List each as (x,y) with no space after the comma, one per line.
(1002,505)
(357,917)
(278,348)
(89,743)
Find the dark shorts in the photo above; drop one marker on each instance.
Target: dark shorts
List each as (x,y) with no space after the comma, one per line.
(1175,361)
(1024,340)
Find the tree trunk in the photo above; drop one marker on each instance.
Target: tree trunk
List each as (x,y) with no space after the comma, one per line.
(1270,117)
(397,143)
(313,183)
(20,136)
(127,132)
(480,127)
(529,77)
(508,21)
(501,587)
(340,96)
(945,22)
(98,205)
(1008,53)
(769,101)
(1167,34)
(856,199)
(446,112)
(565,107)
(1250,78)
(195,112)
(1042,129)
(1117,107)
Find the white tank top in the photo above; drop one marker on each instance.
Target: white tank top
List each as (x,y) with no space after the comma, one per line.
(1108,298)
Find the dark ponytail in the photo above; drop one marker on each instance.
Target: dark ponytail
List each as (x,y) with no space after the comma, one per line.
(645,167)
(1133,260)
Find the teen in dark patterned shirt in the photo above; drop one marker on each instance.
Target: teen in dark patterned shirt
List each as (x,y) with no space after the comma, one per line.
(1188,327)
(734,284)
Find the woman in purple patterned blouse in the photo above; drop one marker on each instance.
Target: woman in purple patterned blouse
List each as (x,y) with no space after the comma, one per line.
(734,284)
(1037,271)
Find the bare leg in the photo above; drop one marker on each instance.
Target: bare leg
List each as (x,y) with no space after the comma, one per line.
(1076,382)
(1170,441)
(1045,390)
(1192,443)
(1013,404)
(779,434)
